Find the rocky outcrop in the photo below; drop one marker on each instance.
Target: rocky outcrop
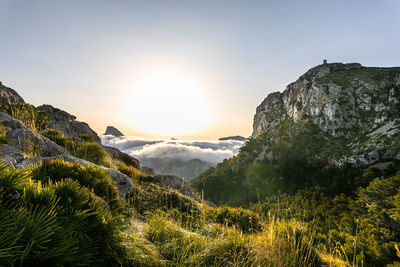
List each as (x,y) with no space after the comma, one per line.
(147,170)
(177,183)
(24,142)
(8,95)
(342,100)
(67,123)
(121,156)
(111,130)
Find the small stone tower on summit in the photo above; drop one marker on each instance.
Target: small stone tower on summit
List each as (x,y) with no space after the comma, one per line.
(324,62)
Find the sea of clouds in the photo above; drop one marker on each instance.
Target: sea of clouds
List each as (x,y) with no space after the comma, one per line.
(209,151)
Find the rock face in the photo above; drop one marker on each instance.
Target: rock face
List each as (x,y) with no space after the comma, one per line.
(24,142)
(27,147)
(8,95)
(121,156)
(67,124)
(177,183)
(342,100)
(111,130)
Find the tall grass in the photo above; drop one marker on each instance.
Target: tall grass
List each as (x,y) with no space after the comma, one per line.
(83,147)
(279,244)
(34,119)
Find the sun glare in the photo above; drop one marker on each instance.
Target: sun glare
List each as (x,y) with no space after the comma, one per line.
(167,104)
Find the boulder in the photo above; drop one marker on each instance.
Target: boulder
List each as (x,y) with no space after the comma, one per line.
(115,153)
(67,123)
(147,170)
(24,142)
(177,183)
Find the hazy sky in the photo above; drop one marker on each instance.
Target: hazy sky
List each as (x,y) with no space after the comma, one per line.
(94,59)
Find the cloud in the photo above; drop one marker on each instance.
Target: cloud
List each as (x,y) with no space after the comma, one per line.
(141,148)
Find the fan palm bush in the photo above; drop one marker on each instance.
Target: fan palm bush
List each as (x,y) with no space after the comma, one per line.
(86,175)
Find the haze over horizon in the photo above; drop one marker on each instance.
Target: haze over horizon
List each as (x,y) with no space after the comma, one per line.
(192,70)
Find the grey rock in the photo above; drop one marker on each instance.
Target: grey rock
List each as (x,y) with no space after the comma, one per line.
(177,183)
(8,95)
(67,123)
(147,170)
(111,130)
(115,153)
(24,142)
(351,108)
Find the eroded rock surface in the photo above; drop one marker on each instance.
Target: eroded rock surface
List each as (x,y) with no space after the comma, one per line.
(67,123)
(356,103)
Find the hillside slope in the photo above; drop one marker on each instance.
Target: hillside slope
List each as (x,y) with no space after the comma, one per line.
(335,116)
(325,152)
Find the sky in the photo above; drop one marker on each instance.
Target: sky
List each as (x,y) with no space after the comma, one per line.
(185,69)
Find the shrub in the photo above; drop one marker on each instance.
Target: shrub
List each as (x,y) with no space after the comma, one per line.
(127,170)
(3,138)
(26,113)
(58,223)
(245,220)
(146,197)
(55,136)
(86,138)
(89,151)
(87,175)
(83,148)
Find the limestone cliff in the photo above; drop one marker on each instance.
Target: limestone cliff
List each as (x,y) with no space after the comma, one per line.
(359,104)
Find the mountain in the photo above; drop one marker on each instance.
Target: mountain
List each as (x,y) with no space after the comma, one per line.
(335,116)
(235,138)
(111,130)
(324,152)
(67,200)
(359,105)
(187,169)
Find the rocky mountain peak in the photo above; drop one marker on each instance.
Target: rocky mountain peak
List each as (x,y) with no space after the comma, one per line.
(342,100)
(8,95)
(111,130)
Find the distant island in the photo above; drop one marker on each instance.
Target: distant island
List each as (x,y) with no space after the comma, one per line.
(235,138)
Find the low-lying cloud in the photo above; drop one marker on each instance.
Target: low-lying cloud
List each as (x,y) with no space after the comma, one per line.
(186,150)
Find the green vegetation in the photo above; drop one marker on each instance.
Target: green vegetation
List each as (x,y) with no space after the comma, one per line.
(299,158)
(83,147)
(369,75)
(55,223)
(351,213)
(48,219)
(3,138)
(88,176)
(27,114)
(366,226)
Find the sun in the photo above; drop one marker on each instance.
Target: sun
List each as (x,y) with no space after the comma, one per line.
(166,103)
